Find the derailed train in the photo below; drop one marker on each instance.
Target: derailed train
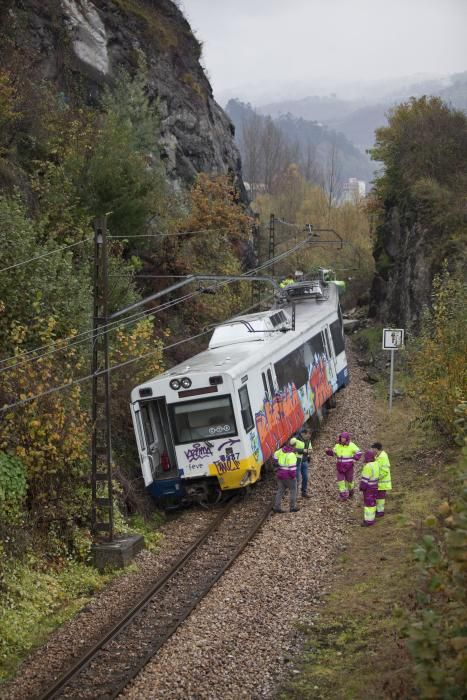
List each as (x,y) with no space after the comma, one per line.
(208,426)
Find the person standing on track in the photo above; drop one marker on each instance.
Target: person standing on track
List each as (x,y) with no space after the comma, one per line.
(369,486)
(346,452)
(384,483)
(304,449)
(285,462)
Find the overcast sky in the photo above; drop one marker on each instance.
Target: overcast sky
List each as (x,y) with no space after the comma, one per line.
(263,44)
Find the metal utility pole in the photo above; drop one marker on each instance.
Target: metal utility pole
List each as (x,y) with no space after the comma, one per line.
(256,287)
(101,451)
(272,240)
(393,339)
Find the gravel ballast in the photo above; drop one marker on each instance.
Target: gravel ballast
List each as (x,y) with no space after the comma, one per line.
(242,639)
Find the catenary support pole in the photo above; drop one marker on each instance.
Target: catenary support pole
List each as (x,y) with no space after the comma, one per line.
(101,451)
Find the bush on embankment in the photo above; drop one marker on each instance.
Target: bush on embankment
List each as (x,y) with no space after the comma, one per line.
(437,634)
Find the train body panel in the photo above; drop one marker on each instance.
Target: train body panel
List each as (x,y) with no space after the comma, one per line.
(208,425)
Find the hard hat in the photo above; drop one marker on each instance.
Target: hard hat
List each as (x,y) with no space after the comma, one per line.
(369,456)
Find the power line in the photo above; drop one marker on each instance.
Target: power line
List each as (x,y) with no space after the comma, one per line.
(75,382)
(168,235)
(45,255)
(113,325)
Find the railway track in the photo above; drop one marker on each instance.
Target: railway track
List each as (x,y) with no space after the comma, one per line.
(113,661)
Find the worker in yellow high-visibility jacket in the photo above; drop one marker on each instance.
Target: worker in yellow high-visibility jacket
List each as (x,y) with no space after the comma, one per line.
(369,485)
(384,482)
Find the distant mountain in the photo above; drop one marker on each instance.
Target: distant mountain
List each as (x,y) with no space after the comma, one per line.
(308,141)
(359,117)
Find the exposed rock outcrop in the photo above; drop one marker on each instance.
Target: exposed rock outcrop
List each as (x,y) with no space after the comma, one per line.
(404,271)
(82,43)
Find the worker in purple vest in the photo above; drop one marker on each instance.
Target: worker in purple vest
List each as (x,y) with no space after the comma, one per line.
(285,464)
(346,452)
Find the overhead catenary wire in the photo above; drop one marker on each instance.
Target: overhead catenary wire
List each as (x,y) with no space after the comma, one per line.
(45,255)
(113,325)
(169,235)
(81,380)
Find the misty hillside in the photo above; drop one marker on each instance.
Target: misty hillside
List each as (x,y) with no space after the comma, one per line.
(309,143)
(358,118)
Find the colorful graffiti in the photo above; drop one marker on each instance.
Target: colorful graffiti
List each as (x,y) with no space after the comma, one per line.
(198,451)
(319,383)
(255,448)
(279,419)
(229,462)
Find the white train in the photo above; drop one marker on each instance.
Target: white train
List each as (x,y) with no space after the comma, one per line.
(210,424)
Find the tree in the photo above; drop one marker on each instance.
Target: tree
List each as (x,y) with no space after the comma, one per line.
(251,149)
(424,139)
(332,176)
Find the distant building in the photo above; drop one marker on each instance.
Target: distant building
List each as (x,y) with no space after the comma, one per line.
(254,188)
(354,190)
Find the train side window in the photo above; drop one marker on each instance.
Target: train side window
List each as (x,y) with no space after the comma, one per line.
(271,383)
(247,416)
(317,345)
(265,384)
(337,337)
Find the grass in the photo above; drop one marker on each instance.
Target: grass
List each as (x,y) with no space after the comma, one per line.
(37,598)
(356,645)
(35,601)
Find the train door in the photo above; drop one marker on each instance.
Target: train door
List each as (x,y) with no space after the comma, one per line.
(158,437)
(141,443)
(329,349)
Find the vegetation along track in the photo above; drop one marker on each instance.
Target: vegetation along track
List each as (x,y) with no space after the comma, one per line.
(106,668)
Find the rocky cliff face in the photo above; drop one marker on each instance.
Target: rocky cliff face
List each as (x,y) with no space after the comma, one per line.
(404,271)
(80,42)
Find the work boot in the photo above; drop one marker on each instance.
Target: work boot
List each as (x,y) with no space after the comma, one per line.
(380,515)
(366,523)
(306,495)
(277,510)
(294,510)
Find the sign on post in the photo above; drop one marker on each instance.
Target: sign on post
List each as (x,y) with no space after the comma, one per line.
(393,339)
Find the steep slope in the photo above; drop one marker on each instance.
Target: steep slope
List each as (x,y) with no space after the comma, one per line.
(358,118)
(78,45)
(308,134)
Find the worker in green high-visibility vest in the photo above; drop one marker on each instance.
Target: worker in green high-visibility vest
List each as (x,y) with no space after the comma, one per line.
(384,483)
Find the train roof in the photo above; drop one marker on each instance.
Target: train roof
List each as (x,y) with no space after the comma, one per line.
(249,338)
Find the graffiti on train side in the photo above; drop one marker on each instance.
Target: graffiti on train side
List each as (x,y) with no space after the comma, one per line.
(290,407)
(320,383)
(279,418)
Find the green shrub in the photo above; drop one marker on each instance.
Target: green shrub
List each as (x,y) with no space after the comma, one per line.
(437,360)
(12,486)
(437,635)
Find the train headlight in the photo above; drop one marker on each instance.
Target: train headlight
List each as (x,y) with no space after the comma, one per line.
(174,384)
(186,382)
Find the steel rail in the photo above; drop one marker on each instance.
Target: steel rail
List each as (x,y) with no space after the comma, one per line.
(239,549)
(82,662)
(145,600)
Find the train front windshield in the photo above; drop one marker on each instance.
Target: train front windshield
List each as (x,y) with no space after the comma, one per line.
(203,420)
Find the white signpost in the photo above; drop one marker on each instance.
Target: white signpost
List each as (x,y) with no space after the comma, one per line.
(393,339)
